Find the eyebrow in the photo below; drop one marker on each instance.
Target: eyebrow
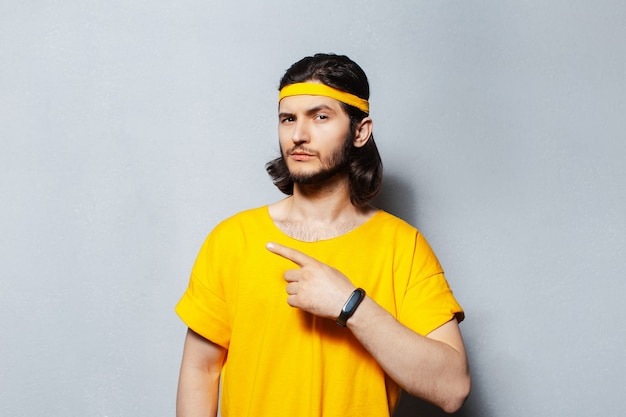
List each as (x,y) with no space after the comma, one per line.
(310,111)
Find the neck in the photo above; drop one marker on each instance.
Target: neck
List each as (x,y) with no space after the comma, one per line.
(326,202)
(316,212)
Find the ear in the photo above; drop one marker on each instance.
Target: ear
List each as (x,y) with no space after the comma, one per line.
(363,132)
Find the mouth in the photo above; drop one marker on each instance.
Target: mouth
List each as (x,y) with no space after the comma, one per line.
(301,154)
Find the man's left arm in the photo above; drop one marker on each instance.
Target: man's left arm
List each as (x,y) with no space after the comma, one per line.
(432,367)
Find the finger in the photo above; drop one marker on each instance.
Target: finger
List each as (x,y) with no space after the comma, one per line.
(291,289)
(293,255)
(292,275)
(291,300)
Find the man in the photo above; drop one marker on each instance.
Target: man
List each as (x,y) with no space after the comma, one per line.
(319,304)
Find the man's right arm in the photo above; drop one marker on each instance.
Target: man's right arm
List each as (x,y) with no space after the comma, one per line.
(198,384)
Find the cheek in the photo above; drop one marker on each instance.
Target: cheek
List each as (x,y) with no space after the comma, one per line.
(331,138)
(283,143)
(284,135)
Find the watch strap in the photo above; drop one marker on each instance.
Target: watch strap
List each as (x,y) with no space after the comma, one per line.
(350,306)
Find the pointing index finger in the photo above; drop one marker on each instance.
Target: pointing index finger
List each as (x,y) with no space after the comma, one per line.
(291,254)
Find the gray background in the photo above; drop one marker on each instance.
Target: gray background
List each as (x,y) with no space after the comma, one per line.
(128,129)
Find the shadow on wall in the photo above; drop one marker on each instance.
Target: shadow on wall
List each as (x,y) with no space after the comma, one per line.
(412,407)
(398,197)
(475,405)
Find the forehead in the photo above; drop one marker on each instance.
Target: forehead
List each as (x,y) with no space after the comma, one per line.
(305,102)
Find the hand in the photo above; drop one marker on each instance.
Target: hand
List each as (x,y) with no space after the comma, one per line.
(314,287)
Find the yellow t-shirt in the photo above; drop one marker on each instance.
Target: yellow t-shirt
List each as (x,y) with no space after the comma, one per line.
(284,362)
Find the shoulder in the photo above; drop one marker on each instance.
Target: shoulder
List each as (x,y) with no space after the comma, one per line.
(395,232)
(390,224)
(234,227)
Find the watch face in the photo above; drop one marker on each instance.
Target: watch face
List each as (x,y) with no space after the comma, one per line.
(348,309)
(352,301)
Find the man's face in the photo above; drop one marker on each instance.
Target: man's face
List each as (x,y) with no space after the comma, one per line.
(315,138)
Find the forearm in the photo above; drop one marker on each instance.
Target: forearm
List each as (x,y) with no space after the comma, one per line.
(433,368)
(425,367)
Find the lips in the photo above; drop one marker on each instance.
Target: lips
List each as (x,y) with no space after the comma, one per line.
(301,154)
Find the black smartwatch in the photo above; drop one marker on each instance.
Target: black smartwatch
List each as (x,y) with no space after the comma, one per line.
(350,306)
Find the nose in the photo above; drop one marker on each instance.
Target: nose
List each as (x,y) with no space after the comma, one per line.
(300,132)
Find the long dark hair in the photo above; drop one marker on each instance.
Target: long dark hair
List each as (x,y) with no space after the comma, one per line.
(338,71)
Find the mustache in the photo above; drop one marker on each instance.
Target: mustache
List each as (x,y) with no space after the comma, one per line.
(302,149)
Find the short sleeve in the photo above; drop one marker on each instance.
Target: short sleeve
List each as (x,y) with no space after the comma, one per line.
(203,307)
(428,302)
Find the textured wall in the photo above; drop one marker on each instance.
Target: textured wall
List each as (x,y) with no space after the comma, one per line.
(129,129)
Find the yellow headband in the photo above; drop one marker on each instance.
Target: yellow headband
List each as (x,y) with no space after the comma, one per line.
(315,89)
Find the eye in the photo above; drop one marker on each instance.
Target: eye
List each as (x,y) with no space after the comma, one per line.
(287,119)
(321,117)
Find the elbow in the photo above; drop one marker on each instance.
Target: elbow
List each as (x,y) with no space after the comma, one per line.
(456,395)
(449,395)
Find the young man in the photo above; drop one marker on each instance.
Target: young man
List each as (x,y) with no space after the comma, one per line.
(319,304)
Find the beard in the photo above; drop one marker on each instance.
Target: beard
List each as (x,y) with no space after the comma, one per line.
(336,163)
